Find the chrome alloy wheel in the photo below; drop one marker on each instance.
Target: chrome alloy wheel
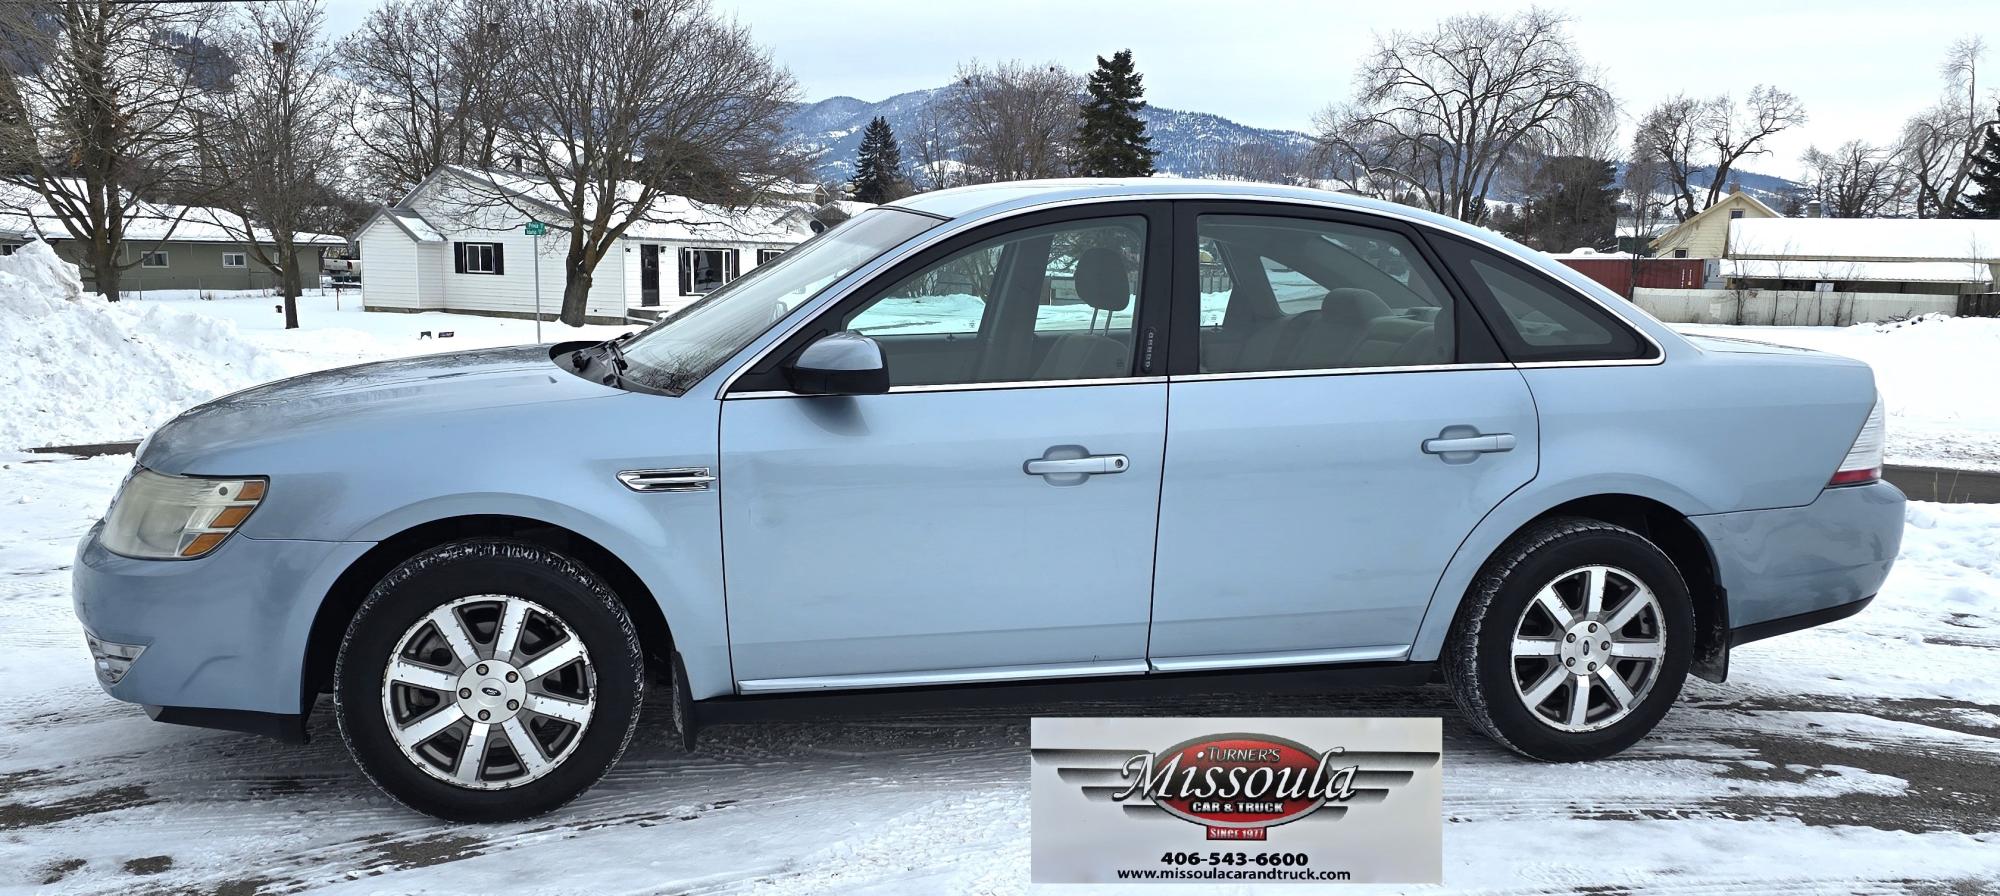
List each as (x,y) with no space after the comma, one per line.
(488,692)
(1588,648)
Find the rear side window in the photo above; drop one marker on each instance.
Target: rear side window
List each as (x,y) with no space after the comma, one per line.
(1538,319)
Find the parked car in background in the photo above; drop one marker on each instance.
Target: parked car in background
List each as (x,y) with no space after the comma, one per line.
(1120,431)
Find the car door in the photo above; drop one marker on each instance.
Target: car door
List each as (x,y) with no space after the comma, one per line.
(991,516)
(1338,422)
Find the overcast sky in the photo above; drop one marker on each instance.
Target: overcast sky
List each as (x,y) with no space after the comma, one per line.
(1860,67)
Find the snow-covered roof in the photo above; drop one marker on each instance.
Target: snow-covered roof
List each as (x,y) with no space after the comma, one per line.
(671,218)
(24,212)
(412,224)
(1867,271)
(1588,252)
(1744,201)
(1866,239)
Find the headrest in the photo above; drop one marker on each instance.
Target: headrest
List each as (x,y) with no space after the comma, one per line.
(1351,305)
(1101,279)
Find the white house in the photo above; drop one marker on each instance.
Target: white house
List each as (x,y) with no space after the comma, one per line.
(457,242)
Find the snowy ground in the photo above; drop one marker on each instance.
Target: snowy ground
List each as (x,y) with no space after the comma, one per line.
(1937,374)
(1863,757)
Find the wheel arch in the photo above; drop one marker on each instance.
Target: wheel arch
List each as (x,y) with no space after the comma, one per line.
(351,587)
(1659,521)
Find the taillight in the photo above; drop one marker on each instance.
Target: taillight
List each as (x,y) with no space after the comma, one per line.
(1863,463)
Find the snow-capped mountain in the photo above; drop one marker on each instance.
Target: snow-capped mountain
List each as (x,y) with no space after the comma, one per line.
(833,126)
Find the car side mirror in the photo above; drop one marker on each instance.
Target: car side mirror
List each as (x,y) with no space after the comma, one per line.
(843,363)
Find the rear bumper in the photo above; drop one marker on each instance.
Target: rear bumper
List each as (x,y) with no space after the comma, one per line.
(1796,567)
(216,636)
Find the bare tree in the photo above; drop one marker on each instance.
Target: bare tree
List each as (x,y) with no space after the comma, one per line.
(1671,133)
(932,145)
(1014,119)
(618,106)
(267,151)
(1939,143)
(1735,131)
(1857,180)
(93,114)
(1694,137)
(1262,161)
(1645,177)
(1441,113)
(423,73)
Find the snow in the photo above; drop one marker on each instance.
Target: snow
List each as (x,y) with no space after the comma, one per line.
(24,211)
(1866,239)
(1859,757)
(1936,374)
(80,369)
(669,218)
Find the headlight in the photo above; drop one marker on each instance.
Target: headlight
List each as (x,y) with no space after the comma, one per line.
(160,517)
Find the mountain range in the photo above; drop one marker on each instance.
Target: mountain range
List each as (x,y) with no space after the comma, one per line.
(1182,139)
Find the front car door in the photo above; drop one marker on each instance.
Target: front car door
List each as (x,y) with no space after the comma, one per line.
(992,516)
(1338,424)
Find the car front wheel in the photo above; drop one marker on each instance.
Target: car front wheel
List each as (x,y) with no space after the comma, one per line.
(488,680)
(1574,641)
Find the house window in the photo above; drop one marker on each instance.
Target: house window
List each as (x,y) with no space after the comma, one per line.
(478,258)
(766,256)
(1680,253)
(706,270)
(232,259)
(154,259)
(1735,213)
(8,248)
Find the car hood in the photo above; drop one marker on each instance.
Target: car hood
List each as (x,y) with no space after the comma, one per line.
(427,389)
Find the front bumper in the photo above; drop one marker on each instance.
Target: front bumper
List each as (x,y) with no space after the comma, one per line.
(226,632)
(1806,565)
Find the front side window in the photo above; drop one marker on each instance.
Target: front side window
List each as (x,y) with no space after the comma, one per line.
(678,351)
(154,259)
(1306,294)
(1048,303)
(1538,319)
(704,271)
(232,259)
(479,258)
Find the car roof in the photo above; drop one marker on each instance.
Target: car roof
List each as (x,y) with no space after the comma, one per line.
(985,200)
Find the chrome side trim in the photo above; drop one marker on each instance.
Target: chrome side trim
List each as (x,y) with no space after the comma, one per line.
(967,223)
(1333,371)
(972,387)
(1295,658)
(949,676)
(677,479)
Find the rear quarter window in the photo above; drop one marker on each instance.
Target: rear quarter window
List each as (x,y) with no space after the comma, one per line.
(1538,318)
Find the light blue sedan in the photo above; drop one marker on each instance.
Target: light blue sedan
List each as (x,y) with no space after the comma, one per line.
(1121,434)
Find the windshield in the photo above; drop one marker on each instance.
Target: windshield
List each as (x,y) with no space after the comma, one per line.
(677,352)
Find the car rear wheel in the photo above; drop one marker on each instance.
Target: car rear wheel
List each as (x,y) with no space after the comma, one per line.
(488,680)
(1574,642)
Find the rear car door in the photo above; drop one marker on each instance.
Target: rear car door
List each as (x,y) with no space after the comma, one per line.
(1339,420)
(992,516)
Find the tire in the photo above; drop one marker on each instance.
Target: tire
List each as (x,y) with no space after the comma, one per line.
(570,689)
(1496,689)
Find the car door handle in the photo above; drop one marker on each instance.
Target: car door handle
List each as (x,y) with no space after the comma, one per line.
(1092,465)
(1480,444)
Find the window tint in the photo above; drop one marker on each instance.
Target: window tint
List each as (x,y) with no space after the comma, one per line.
(1301,294)
(1047,303)
(1537,319)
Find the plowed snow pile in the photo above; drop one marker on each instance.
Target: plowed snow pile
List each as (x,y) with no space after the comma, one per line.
(75,368)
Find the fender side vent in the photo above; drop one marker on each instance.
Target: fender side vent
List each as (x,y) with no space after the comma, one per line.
(679,479)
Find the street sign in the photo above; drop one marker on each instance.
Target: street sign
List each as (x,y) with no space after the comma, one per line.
(535,228)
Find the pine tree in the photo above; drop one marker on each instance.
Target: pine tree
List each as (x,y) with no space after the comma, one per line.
(1572,203)
(878,172)
(1110,140)
(1985,174)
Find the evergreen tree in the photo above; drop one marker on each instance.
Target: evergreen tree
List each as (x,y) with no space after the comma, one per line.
(1110,139)
(1572,203)
(1985,174)
(878,172)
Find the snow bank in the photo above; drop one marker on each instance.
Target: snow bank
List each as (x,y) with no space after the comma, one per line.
(81,369)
